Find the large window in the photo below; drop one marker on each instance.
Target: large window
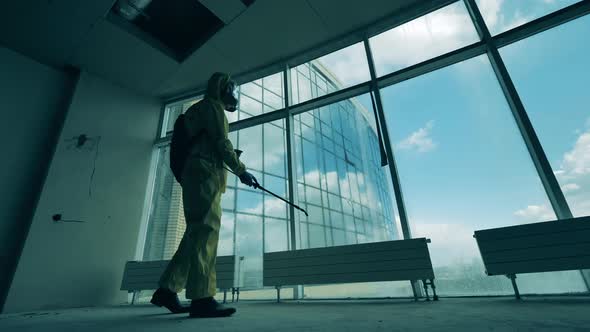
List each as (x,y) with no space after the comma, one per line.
(341,183)
(462,162)
(330,73)
(463,166)
(261,220)
(340,179)
(258,97)
(172,111)
(550,72)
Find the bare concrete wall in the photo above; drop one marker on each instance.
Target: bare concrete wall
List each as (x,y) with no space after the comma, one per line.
(33,103)
(101,182)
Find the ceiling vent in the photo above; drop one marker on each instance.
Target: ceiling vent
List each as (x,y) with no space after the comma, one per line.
(178,28)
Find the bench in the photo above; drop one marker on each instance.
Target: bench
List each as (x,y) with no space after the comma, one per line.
(369,262)
(140,276)
(540,247)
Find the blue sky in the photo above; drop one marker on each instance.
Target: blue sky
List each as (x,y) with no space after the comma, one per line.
(462,163)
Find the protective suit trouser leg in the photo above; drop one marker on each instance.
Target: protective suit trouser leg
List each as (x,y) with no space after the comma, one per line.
(193,264)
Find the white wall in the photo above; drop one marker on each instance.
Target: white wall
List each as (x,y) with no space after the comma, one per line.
(81,264)
(33,99)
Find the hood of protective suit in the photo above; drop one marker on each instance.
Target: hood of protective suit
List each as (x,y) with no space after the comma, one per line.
(216,84)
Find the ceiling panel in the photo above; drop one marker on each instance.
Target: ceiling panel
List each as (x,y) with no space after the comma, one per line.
(195,71)
(340,16)
(114,54)
(226,10)
(268,31)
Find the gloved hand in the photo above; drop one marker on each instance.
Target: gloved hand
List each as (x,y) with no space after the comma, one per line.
(248,179)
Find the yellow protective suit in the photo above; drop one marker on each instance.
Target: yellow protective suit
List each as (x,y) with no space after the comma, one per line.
(203,181)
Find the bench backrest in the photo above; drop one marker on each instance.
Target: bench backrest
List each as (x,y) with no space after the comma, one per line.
(379,261)
(145,275)
(539,247)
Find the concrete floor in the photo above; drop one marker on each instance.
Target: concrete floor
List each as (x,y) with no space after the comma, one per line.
(474,314)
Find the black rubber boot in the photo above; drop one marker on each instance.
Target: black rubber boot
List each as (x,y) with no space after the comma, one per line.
(167,298)
(208,307)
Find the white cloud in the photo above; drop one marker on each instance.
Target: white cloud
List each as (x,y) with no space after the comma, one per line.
(574,177)
(577,161)
(569,187)
(491,11)
(574,173)
(495,15)
(366,192)
(349,65)
(413,42)
(431,35)
(274,147)
(419,140)
(426,37)
(533,213)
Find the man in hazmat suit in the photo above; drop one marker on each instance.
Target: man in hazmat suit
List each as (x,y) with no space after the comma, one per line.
(203,181)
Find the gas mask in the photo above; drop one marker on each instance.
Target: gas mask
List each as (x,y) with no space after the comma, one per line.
(229,96)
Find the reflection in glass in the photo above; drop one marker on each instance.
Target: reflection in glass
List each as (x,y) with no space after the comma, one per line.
(338,175)
(247,213)
(258,97)
(249,250)
(464,167)
(226,235)
(166,222)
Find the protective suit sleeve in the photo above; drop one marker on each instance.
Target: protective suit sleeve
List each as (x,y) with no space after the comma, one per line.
(218,129)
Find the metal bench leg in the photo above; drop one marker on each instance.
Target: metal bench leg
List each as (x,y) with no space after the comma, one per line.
(435,297)
(415,289)
(426,289)
(133,298)
(512,278)
(225,296)
(278,294)
(233,293)
(238,297)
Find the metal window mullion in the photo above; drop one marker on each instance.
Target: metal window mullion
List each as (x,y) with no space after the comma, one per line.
(263,193)
(297,290)
(147,206)
(162,121)
(433,64)
(389,150)
(322,189)
(320,159)
(290,153)
(235,209)
(416,287)
(542,165)
(552,188)
(562,16)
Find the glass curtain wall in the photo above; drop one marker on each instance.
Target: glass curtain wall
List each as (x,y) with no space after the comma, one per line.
(461,161)
(550,71)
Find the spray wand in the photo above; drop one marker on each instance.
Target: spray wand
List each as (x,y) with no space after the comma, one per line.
(258,186)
